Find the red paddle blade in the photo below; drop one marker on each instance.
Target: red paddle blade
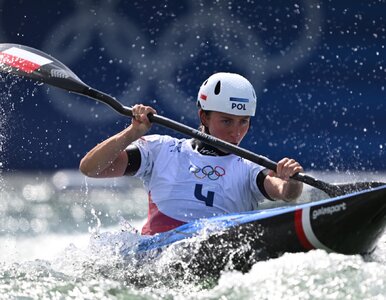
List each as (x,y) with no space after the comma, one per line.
(31,63)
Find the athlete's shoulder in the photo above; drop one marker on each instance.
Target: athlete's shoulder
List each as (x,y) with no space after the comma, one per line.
(154,138)
(158,142)
(247,163)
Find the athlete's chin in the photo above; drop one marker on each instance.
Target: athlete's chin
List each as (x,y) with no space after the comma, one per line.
(233,143)
(225,150)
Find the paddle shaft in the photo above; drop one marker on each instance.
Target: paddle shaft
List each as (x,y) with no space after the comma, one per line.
(17,59)
(208,139)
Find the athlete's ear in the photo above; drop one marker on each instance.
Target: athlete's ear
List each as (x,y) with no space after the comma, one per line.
(203,117)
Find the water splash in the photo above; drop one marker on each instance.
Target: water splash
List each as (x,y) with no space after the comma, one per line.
(313,275)
(5,109)
(97,272)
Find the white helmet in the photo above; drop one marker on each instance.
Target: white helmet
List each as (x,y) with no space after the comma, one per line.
(228,93)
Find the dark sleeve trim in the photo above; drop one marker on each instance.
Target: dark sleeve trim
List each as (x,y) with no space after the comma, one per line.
(260,183)
(133,160)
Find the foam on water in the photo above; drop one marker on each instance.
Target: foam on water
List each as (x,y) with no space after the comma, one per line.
(97,272)
(77,254)
(313,275)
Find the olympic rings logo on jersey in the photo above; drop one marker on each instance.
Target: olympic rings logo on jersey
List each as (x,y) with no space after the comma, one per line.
(213,173)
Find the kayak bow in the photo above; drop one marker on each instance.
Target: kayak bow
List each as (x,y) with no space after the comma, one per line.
(349,224)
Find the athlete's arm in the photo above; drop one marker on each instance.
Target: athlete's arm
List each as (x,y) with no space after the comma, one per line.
(133,160)
(260,179)
(109,158)
(279,186)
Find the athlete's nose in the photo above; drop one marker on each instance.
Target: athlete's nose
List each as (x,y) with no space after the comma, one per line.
(235,134)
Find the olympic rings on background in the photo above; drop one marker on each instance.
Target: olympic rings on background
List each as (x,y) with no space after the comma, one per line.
(208,171)
(151,63)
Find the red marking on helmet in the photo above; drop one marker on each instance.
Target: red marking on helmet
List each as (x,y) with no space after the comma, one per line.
(203,97)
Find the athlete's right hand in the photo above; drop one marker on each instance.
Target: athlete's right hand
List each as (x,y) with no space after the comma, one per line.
(140,121)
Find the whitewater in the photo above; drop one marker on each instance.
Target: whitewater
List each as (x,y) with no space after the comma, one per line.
(60,233)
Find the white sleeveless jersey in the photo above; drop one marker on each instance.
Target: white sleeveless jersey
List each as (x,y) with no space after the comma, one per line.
(186,185)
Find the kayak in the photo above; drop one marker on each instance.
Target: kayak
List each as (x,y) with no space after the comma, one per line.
(349,224)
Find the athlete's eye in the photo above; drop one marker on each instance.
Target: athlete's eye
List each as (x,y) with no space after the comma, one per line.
(244,122)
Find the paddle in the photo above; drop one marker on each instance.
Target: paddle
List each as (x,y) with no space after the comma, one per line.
(31,63)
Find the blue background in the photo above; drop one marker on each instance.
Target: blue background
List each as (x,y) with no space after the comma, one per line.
(318,68)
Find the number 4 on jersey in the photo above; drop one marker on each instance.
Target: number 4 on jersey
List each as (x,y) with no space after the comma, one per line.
(208,199)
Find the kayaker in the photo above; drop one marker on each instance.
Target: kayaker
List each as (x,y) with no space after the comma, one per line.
(187,179)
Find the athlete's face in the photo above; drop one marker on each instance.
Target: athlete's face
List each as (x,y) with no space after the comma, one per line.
(229,128)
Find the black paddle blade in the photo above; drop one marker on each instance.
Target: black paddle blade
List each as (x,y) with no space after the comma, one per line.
(34,64)
(335,190)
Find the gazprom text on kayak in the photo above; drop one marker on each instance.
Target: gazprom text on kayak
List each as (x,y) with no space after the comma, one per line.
(328,210)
